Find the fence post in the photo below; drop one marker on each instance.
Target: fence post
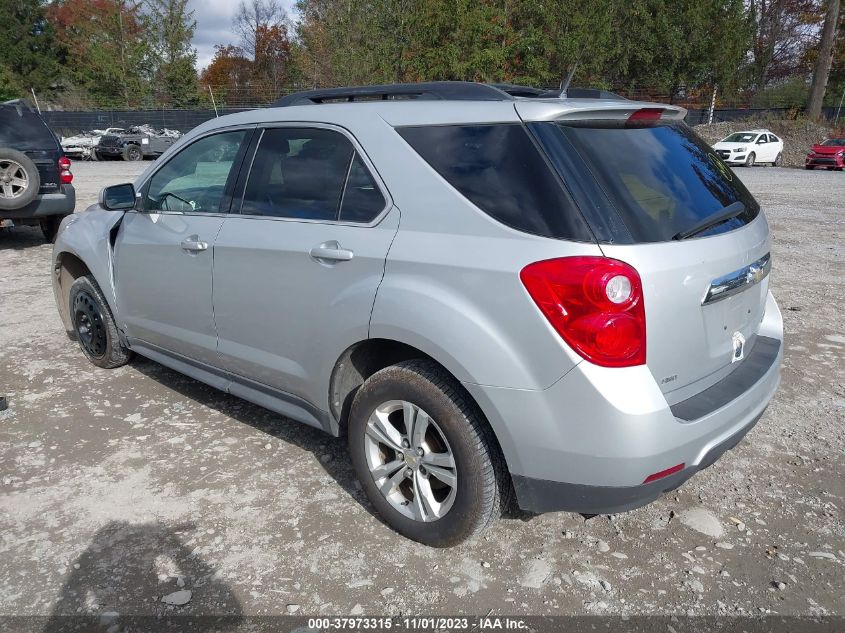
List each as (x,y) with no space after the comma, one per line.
(712,106)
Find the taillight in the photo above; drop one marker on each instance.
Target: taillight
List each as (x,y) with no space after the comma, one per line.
(65,177)
(595,304)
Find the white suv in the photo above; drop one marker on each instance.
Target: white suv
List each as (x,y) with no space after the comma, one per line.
(753,146)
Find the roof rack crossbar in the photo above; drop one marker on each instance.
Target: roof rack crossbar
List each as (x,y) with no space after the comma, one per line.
(433,90)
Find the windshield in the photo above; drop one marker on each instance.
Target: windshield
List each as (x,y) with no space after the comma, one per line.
(834,142)
(740,137)
(662,179)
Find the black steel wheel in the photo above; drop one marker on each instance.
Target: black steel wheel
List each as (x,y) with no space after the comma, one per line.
(94,326)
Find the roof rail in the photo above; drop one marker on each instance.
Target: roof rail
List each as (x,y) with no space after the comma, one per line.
(433,90)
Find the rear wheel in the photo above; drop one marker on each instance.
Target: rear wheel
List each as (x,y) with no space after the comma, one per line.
(133,153)
(94,325)
(425,456)
(749,162)
(778,160)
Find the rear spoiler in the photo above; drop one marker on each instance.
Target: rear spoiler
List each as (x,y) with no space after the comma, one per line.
(598,109)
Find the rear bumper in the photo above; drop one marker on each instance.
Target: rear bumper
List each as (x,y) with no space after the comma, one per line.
(538,495)
(59,203)
(588,443)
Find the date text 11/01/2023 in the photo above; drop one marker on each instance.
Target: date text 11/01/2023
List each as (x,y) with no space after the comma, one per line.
(418,623)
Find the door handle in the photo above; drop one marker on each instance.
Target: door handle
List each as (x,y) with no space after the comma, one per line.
(331,251)
(194,245)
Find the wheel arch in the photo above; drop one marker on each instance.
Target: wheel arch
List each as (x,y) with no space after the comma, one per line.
(67,268)
(364,358)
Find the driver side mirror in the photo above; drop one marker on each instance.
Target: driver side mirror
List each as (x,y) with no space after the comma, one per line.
(118,197)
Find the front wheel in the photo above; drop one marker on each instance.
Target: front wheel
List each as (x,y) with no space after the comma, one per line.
(94,325)
(133,153)
(425,456)
(749,162)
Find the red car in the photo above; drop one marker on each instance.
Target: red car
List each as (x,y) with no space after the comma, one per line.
(829,153)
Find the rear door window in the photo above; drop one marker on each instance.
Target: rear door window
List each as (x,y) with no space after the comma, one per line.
(298,173)
(24,130)
(662,179)
(501,171)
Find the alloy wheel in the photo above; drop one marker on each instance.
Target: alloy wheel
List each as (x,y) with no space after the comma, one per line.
(13,179)
(410,461)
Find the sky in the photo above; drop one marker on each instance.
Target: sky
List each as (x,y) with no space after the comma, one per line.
(214,25)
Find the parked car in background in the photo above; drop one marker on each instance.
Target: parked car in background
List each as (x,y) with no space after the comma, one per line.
(81,146)
(830,154)
(751,147)
(35,177)
(572,305)
(136,143)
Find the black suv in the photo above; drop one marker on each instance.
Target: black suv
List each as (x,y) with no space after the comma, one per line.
(35,178)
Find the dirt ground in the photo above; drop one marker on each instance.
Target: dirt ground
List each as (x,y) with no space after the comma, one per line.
(118,488)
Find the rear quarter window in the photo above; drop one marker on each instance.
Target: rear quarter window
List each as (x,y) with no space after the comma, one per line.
(502,172)
(24,130)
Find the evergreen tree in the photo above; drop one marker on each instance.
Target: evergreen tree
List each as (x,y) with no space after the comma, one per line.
(172,26)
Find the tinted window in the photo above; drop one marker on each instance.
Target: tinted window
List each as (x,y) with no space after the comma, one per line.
(298,173)
(501,171)
(362,200)
(195,179)
(773,138)
(24,130)
(834,142)
(661,179)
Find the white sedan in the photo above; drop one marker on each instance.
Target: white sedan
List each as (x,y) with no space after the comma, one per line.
(753,146)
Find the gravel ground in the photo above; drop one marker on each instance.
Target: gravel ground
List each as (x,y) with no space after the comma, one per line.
(119,488)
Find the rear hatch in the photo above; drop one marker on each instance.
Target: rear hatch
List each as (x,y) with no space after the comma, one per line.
(660,199)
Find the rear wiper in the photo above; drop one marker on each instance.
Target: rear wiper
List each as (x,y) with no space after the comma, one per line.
(722,215)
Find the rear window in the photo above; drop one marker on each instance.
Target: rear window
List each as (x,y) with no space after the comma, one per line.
(500,170)
(23,130)
(661,179)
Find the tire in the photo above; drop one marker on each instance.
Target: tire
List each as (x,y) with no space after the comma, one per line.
(50,227)
(778,160)
(456,430)
(749,161)
(19,179)
(808,166)
(94,325)
(133,153)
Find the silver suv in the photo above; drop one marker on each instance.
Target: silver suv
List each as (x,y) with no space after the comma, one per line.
(489,290)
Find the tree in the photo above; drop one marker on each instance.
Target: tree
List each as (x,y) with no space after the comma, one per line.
(783,31)
(272,60)
(229,75)
(106,48)
(824,60)
(28,50)
(172,26)
(252,17)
